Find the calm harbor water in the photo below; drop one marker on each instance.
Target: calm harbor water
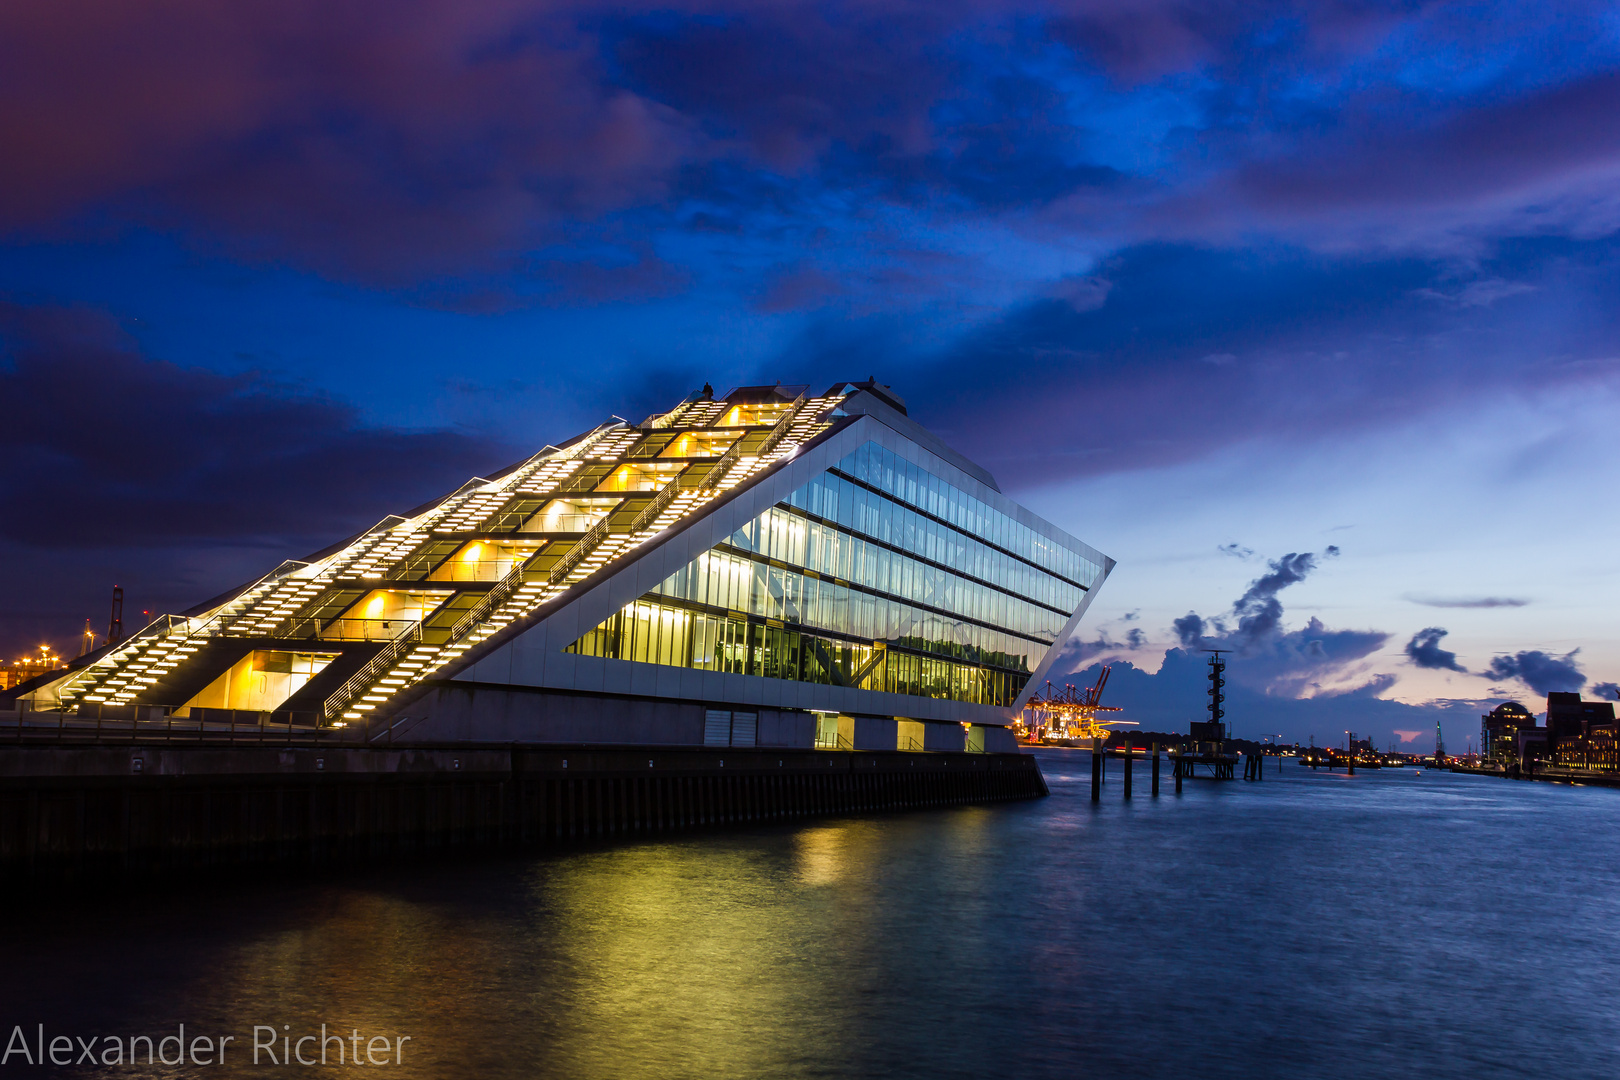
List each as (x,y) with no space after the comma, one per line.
(1314,925)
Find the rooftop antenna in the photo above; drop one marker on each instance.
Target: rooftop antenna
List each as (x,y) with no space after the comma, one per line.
(115,625)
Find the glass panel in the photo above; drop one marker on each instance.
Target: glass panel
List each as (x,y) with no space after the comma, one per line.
(908,482)
(661,634)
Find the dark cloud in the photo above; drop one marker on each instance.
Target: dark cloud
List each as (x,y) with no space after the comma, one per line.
(1134,640)
(1294,662)
(1189,630)
(155,475)
(1541,672)
(399,144)
(1369,689)
(1320,334)
(1424,650)
(1258,611)
(118,448)
(1468,601)
(1608,690)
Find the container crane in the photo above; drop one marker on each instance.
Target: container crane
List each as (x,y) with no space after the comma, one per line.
(1069,715)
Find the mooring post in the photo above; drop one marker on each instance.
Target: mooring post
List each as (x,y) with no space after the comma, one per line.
(1181,767)
(1127,770)
(1260,766)
(1155,770)
(1096,769)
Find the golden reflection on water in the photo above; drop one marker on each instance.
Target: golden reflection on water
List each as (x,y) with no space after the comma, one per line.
(961,944)
(714,957)
(820,855)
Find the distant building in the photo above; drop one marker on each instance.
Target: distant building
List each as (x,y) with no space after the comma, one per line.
(1499,730)
(1568,717)
(16,672)
(1581,734)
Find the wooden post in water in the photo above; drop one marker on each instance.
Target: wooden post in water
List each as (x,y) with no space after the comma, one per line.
(1155,770)
(1181,766)
(1096,769)
(1127,770)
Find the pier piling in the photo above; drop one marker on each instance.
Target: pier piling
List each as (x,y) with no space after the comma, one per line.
(1155,770)
(1096,770)
(1127,767)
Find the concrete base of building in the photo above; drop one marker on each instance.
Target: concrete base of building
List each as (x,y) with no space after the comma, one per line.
(480,713)
(81,813)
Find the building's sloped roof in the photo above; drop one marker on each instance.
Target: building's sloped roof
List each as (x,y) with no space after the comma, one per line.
(656,474)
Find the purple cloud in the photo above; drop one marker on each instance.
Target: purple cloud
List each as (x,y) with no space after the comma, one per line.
(1541,672)
(1424,650)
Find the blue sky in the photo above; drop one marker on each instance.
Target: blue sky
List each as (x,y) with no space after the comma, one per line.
(1211,285)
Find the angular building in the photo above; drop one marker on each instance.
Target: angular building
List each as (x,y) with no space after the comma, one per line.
(769,568)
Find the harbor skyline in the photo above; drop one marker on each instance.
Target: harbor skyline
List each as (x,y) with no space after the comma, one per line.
(1212,291)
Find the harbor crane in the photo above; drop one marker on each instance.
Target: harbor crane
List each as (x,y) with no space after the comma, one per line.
(1069,715)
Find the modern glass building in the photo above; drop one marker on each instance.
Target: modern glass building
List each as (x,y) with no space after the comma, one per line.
(770,567)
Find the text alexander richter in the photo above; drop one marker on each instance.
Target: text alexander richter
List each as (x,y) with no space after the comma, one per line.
(266,1044)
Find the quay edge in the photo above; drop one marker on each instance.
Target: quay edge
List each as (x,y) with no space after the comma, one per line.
(81,813)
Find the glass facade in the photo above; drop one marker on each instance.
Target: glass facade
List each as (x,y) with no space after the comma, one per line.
(844,585)
(655,633)
(912,484)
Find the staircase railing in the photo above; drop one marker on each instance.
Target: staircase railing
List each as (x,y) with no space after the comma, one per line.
(664,420)
(783,426)
(356,684)
(729,458)
(493,599)
(576,554)
(660,503)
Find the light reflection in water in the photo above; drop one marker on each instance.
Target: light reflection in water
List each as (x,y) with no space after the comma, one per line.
(1035,940)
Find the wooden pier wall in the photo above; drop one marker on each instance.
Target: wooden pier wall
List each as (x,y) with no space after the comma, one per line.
(110,811)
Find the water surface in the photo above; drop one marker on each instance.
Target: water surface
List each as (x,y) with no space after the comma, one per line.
(1315,924)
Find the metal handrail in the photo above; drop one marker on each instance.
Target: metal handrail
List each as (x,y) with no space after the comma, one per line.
(659,504)
(664,420)
(491,600)
(340,698)
(170,729)
(156,630)
(576,555)
(721,467)
(779,432)
(730,457)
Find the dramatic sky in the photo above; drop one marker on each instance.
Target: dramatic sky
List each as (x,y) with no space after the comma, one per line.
(1304,312)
